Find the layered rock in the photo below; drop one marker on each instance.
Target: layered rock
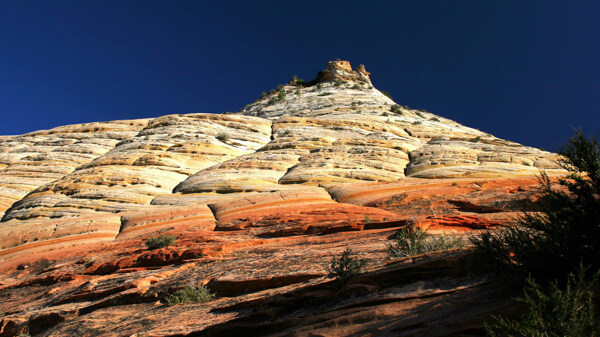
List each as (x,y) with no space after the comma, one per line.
(314,151)
(479,157)
(152,162)
(37,158)
(348,133)
(258,253)
(342,71)
(286,213)
(26,238)
(258,203)
(447,204)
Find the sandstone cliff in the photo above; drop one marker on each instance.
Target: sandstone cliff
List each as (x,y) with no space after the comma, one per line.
(259,201)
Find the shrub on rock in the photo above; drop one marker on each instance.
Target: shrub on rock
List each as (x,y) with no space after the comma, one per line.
(190,294)
(160,241)
(344,267)
(413,240)
(552,311)
(396,109)
(223,137)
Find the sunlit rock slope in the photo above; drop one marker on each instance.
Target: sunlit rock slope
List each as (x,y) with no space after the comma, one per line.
(258,201)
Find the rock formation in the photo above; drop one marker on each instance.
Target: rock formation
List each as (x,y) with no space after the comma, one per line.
(259,201)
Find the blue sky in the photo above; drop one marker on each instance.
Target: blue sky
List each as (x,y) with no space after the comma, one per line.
(522,70)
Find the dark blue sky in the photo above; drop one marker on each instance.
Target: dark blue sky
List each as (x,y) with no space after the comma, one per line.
(521,70)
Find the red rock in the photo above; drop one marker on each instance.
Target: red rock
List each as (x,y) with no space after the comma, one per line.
(457,222)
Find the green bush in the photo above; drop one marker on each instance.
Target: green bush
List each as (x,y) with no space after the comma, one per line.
(552,311)
(565,233)
(319,86)
(298,81)
(356,86)
(263,95)
(325,94)
(160,241)
(298,93)
(396,109)
(413,240)
(190,294)
(435,119)
(346,266)
(281,95)
(223,137)
(417,122)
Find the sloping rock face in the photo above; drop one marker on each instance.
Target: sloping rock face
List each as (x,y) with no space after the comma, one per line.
(35,159)
(258,203)
(151,163)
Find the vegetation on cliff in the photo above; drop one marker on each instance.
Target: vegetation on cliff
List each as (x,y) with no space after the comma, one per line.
(344,267)
(190,294)
(160,241)
(413,240)
(564,234)
(554,311)
(554,253)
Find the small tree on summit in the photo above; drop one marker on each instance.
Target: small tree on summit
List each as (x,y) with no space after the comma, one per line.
(281,95)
